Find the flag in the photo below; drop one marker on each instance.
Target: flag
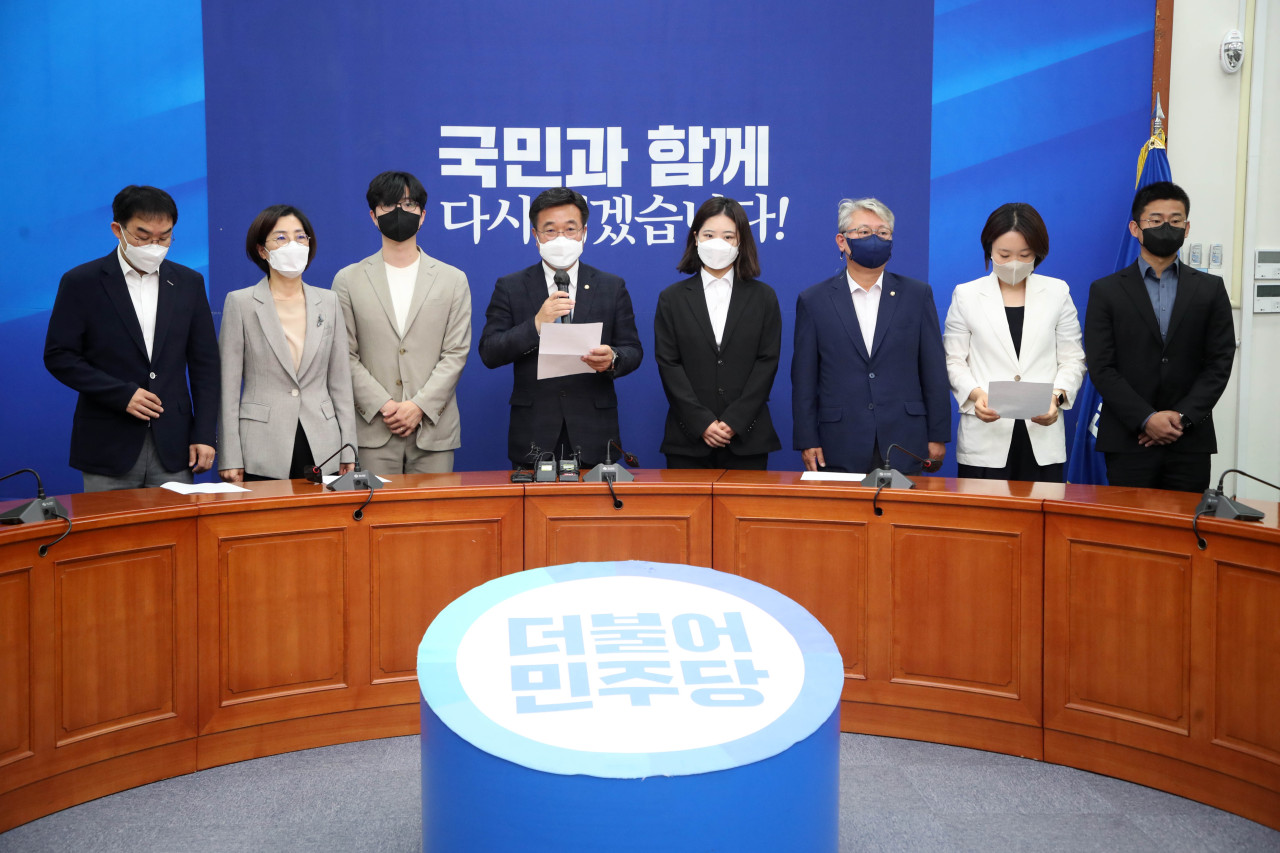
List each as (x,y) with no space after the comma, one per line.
(1086,464)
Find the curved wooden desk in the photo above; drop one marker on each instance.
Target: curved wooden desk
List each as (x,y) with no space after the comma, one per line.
(1071,624)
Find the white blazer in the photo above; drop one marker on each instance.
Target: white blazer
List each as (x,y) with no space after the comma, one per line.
(264,398)
(980,350)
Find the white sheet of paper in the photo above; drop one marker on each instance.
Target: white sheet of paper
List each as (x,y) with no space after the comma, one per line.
(1020,400)
(835,476)
(202,488)
(561,347)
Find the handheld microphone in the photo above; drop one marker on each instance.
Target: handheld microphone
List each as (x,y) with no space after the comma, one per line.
(561,279)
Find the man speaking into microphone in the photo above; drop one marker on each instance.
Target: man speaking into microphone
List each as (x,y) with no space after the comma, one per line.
(868,369)
(578,412)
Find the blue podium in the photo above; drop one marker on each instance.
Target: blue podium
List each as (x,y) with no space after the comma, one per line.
(628,706)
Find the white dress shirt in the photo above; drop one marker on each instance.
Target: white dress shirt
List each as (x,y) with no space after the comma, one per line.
(718,292)
(550,274)
(401,281)
(866,303)
(144,292)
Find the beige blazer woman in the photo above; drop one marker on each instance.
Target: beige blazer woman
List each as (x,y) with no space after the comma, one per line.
(264,398)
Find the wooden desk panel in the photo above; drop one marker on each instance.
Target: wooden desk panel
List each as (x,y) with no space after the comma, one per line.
(100,647)
(1160,659)
(169,633)
(935,604)
(665,518)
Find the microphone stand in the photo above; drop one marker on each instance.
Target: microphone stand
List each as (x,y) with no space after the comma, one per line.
(1215,503)
(885,477)
(358,478)
(609,472)
(43,508)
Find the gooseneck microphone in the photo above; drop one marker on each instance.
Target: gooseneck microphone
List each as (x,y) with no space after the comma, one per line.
(43,508)
(1216,503)
(609,472)
(886,477)
(358,478)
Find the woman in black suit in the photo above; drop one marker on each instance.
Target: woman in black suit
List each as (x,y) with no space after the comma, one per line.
(718,335)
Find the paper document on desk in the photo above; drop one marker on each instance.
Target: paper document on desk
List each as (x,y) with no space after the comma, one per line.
(329,478)
(833,476)
(201,488)
(1020,401)
(561,347)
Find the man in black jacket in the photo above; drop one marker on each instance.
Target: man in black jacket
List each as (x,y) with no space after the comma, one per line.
(565,413)
(126,332)
(1159,341)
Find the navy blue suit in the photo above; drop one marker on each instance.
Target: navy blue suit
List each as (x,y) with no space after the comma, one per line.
(586,403)
(846,400)
(95,346)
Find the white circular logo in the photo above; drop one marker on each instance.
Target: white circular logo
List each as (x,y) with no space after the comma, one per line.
(629,664)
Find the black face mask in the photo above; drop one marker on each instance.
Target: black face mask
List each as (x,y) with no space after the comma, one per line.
(399,225)
(1164,240)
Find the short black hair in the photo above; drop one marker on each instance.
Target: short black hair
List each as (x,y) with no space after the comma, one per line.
(747,264)
(1159,191)
(1021,217)
(143,202)
(555,197)
(265,223)
(388,188)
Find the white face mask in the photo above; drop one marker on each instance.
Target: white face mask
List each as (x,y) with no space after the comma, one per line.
(145,258)
(717,254)
(290,259)
(561,253)
(1014,271)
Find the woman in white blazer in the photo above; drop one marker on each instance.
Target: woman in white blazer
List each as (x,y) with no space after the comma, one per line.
(286,374)
(1013,325)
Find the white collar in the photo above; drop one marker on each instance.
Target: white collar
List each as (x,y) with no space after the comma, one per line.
(707,278)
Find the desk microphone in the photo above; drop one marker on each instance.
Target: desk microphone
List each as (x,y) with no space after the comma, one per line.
(886,477)
(43,508)
(609,472)
(1217,504)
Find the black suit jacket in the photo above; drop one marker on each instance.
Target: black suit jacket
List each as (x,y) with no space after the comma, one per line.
(587,403)
(729,382)
(95,346)
(1136,373)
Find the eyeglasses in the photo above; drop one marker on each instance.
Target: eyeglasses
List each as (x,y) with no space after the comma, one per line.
(280,239)
(408,205)
(571,232)
(1156,220)
(884,232)
(165,239)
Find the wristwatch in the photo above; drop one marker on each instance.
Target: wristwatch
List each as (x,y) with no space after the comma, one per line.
(1186,422)
(1061,397)
(613,365)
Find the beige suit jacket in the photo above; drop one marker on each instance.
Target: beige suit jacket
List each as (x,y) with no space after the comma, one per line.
(422,365)
(264,398)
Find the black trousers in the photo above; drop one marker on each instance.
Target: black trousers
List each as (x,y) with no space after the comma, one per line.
(1159,468)
(720,457)
(1021,464)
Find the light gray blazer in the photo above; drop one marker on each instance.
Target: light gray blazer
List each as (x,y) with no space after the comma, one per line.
(422,365)
(258,423)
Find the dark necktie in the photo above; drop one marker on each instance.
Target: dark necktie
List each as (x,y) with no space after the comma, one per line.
(561,278)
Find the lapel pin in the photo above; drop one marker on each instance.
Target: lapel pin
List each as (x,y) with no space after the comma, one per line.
(893,293)
(319,321)
(586,287)
(166,281)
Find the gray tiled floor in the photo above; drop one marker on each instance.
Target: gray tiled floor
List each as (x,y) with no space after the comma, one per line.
(895,795)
